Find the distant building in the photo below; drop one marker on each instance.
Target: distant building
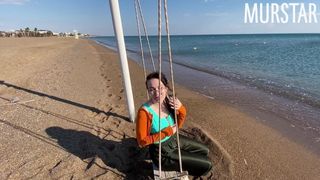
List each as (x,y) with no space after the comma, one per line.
(42,32)
(38,33)
(2,34)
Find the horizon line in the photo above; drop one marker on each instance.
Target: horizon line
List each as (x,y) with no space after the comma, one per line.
(218,34)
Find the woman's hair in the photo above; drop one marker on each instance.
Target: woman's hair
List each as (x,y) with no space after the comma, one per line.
(155,75)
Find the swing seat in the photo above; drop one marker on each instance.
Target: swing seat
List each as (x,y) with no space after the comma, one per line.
(169,174)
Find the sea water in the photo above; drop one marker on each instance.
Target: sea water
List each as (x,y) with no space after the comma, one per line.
(284,64)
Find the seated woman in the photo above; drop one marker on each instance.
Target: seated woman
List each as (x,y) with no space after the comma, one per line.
(194,155)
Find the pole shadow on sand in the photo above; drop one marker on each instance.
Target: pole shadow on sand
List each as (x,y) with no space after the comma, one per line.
(93,109)
(123,155)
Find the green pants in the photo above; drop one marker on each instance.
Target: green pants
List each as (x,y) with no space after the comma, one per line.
(194,155)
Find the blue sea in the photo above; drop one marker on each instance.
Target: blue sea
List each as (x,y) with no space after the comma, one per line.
(284,64)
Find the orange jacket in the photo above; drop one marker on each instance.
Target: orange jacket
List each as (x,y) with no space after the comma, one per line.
(143,126)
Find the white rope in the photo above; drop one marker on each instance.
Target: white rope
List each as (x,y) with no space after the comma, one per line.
(140,40)
(172,79)
(171,74)
(146,35)
(159,61)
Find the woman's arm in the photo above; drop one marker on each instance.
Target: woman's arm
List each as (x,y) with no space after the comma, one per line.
(143,128)
(181,114)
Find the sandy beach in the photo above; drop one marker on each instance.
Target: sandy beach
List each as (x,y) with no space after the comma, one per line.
(63,115)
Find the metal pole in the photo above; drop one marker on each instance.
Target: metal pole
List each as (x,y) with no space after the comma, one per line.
(118,31)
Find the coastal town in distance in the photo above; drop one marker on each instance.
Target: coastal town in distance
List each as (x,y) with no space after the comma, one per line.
(27,32)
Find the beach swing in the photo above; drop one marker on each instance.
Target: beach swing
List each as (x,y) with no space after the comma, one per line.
(158,173)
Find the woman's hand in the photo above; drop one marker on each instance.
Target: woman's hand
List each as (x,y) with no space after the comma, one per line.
(174,103)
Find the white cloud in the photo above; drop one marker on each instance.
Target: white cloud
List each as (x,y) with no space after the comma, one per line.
(14,2)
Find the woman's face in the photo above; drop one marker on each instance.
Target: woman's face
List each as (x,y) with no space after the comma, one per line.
(156,95)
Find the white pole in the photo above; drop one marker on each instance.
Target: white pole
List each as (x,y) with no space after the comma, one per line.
(118,31)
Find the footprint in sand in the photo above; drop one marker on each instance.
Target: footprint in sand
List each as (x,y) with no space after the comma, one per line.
(106,108)
(100,116)
(106,118)
(104,75)
(90,114)
(99,101)
(115,122)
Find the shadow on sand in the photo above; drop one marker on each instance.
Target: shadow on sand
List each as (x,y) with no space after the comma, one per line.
(123,155)
(93,109)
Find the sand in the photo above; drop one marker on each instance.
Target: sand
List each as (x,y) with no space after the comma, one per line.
(63,115)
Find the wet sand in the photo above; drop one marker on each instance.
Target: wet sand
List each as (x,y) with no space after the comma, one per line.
(63,115)
(294,119)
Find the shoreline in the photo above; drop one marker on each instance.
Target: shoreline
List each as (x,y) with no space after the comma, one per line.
(295,120)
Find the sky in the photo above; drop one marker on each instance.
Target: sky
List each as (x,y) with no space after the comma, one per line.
(185,17)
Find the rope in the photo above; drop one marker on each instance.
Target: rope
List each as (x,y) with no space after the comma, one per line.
(172,79)
(138,6)
(140,40)
(159,61)
(171,74)
(146,35)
